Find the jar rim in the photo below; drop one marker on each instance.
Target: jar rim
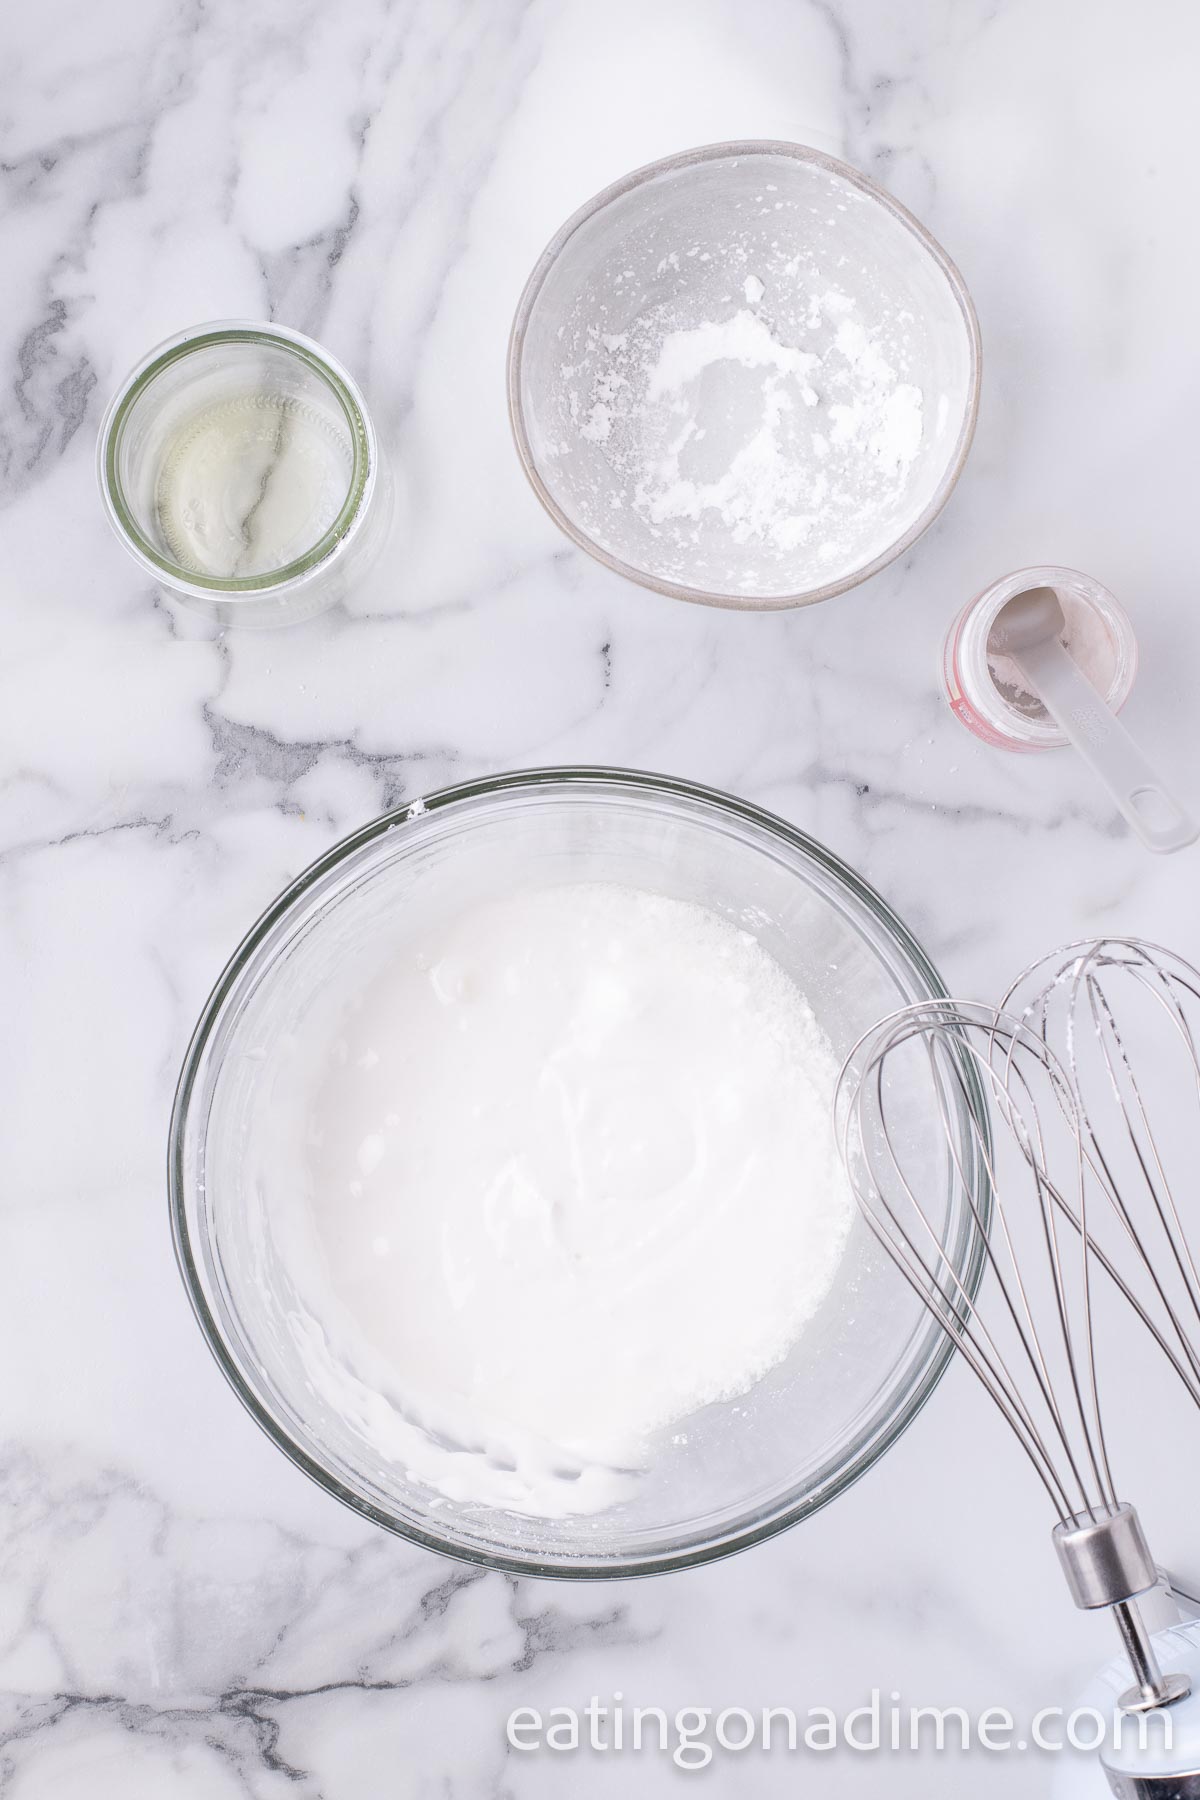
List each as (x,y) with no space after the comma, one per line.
(174,350)
(974,695)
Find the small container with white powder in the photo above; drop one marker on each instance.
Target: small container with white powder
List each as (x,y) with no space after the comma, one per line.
(744,376)
(986,691)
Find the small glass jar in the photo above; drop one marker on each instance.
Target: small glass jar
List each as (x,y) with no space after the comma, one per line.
(239,466)
(985,690)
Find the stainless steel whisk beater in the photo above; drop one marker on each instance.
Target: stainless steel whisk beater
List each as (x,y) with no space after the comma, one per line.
(1108,1008)
(1027,1327)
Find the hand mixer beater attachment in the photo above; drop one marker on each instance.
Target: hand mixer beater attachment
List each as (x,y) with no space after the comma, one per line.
(1027,1329)
(1123,1018)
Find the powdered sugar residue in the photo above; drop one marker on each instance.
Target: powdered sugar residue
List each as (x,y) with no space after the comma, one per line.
(730,423)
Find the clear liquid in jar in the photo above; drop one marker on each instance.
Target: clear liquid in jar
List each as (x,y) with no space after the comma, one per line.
(250,483)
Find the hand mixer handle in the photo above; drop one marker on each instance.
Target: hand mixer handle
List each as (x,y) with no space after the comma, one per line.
(1107,1562)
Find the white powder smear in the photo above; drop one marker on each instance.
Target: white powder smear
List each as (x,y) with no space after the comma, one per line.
(727,423)
(778,479)
(572,1176)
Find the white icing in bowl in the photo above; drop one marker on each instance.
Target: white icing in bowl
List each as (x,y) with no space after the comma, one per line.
(738,1467)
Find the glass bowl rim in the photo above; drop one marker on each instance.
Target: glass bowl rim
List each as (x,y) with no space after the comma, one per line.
(684,159)
(935,1348)
(175,349)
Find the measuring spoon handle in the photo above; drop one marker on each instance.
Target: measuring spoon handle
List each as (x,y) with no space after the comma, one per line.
(1107,748)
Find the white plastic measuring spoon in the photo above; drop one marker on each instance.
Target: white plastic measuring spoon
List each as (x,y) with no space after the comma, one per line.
(1029,629)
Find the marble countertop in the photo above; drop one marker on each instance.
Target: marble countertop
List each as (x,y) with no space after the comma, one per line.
(182,1615)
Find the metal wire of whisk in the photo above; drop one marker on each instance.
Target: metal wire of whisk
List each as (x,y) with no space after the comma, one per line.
(1027,1330)
(1107,1007)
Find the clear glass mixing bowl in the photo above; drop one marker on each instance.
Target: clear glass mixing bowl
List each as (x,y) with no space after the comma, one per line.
(749,1467)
